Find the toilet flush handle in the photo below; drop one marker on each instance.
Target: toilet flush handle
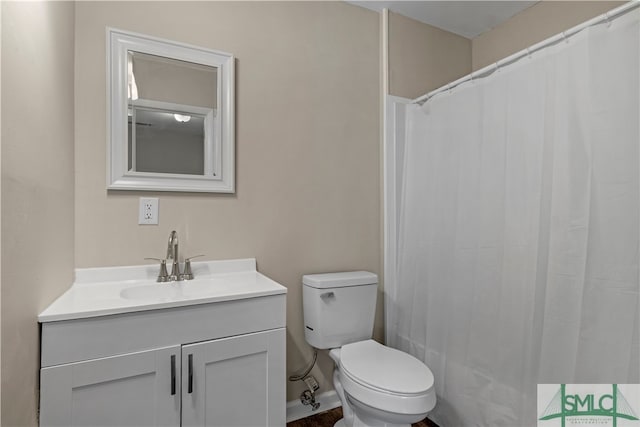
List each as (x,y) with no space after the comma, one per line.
(327,295)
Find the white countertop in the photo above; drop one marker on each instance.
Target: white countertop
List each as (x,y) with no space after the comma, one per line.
(116,290)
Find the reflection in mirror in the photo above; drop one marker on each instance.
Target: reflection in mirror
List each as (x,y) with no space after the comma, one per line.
(177,109)
(171,80)
(171,112)
(165,142)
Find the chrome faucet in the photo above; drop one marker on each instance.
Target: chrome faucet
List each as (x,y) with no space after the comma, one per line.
(172,253)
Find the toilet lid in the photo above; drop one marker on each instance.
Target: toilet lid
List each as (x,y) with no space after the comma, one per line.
(379,367)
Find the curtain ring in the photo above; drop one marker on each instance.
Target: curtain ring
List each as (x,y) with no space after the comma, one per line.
(564,36)
(607,19)
(497,67)
(528,53)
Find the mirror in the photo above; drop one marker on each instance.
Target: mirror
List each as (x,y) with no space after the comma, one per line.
(171,116)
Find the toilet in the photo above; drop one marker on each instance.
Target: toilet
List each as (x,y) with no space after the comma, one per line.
(378,386)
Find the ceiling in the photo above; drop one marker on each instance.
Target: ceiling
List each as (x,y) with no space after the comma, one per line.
(466,18)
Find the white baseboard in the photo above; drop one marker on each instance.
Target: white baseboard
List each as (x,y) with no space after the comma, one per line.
(296,410)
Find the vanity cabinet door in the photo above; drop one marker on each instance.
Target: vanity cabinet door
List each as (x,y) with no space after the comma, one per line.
(135,389)
(236,381)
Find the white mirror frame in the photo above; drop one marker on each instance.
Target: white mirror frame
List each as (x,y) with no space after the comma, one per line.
(220,176)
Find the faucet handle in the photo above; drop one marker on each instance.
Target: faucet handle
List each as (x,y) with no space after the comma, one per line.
(163,276)
(188,274)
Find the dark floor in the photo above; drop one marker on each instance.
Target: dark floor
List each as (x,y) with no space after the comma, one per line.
(329,418)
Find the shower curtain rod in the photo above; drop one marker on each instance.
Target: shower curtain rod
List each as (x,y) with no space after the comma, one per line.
(490,69)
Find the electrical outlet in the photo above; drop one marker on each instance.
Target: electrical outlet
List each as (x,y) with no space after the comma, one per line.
(148,213)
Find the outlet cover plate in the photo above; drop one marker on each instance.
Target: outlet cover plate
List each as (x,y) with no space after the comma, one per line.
(148,212)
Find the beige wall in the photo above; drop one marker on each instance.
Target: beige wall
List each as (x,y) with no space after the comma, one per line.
(37,187)
(307,123)
(0,215)
(423,58)
(537,23)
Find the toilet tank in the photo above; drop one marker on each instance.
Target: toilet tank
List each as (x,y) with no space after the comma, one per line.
(339,308)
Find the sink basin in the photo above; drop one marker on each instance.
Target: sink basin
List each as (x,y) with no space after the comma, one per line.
(176,290)
(114,290)
(160,291)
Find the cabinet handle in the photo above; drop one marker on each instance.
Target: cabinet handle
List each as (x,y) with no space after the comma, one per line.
(173,374)
(190,373)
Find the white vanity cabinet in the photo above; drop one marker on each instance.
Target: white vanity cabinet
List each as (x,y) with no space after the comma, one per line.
(235,381)
(127,390)
(212,361)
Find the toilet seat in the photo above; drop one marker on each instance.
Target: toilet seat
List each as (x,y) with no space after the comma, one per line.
(385,369)
(386,378)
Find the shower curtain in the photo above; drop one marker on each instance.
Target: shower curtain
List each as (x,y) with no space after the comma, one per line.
(519,230)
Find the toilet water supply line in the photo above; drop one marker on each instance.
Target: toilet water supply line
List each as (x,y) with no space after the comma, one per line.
(308,397)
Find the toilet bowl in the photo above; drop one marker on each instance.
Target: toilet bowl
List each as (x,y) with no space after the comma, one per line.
(378,386)
(381,385)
